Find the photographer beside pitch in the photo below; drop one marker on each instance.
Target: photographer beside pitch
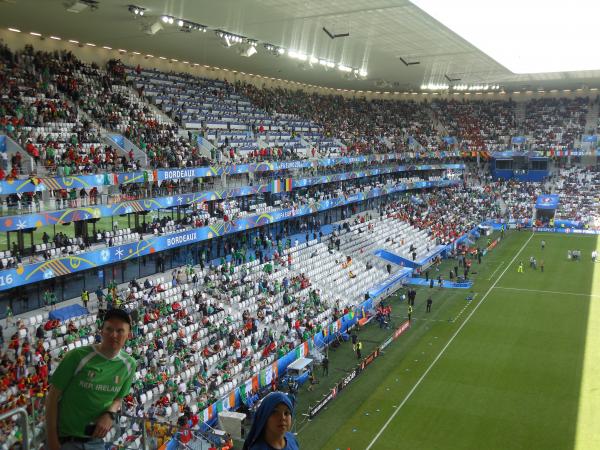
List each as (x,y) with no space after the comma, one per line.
(87,387)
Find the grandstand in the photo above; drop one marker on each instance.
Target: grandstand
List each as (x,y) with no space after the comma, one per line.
(253,206)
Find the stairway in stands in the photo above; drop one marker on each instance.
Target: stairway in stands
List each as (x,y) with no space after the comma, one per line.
(520,113)
(591,119)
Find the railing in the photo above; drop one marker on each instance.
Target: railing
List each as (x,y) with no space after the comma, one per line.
(22,418)
(149,433)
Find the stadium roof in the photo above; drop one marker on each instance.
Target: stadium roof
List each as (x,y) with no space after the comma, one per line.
(399,46)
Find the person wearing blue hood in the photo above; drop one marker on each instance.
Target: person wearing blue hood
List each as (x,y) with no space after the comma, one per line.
(272,423)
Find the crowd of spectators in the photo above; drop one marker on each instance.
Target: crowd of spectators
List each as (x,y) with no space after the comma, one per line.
(478,125)
(447,213)
(363,126)
(54,106)
(554,123)
(519,198)
(579,199)
(36,114)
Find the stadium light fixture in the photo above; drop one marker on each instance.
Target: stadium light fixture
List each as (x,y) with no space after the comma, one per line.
(297,55)
(14,30)
(136,10)
(534,44)
(229,39)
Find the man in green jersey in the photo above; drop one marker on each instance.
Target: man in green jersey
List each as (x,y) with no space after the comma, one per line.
(87,387)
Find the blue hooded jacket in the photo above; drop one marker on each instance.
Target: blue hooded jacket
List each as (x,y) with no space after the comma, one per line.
(254,439)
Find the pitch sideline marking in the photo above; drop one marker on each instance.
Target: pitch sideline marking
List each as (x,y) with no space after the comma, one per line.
(494,272)
(547,292)
(443,350)
(463,310)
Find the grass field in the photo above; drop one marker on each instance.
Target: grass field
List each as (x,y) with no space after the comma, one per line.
(516,368)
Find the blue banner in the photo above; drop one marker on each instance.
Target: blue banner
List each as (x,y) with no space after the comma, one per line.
(566,230)
(2,143)
(564,223)
(65,265)
(518,140)
(547,201)
(38,184)
(25,221)
(589,138)
(386,285)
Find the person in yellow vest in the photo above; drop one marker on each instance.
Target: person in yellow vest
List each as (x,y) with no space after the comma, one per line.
(410,311)
(520,268)
(85,298)
(359,346)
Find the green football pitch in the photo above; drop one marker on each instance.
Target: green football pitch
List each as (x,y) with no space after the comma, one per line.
(518,367)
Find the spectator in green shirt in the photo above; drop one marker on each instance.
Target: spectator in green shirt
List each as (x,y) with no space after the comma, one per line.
(87,387)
